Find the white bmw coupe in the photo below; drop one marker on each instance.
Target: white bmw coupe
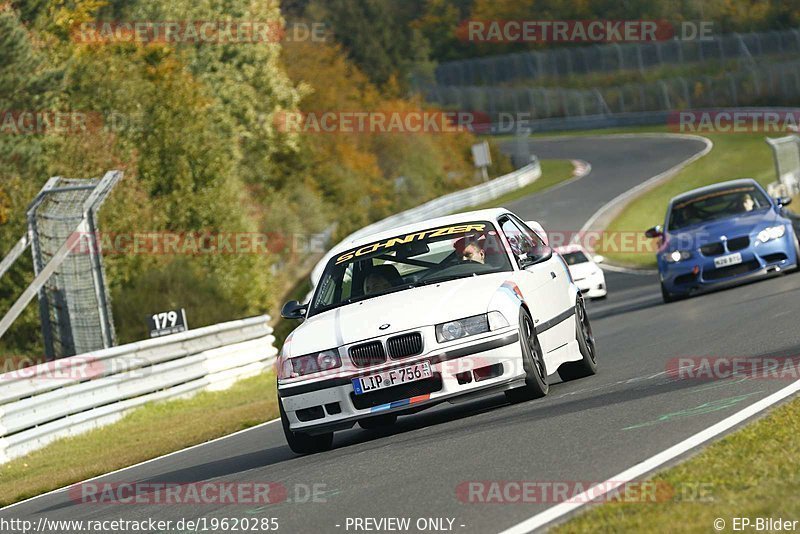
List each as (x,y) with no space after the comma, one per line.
(442,310)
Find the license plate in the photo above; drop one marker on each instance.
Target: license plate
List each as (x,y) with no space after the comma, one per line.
(393,377)
(730,259)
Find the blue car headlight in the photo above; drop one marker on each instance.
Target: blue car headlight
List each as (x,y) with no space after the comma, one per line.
(676,255)
(768,234)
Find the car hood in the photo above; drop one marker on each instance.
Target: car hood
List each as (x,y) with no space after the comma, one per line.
(404,310)
(711,232)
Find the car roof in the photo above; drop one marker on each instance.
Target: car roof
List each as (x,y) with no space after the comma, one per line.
(567,249)
(712,188)
(479,215)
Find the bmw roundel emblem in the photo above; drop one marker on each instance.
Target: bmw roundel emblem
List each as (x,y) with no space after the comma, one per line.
(384,326)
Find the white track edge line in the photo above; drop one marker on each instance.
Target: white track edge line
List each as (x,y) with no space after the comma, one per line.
(58,490)
(555,512)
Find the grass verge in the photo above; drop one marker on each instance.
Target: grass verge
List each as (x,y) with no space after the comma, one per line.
(733,156)
(750,473)
(145,433)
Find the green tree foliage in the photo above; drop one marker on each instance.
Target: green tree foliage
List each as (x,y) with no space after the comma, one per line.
(194,129)
(377,34)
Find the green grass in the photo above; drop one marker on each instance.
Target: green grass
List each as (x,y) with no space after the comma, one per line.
(147,432)
(751,473)
(554,171)
(733,156)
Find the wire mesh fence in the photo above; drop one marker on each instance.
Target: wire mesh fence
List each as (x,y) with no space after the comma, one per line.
(769,84)
(614,57)
(74,304)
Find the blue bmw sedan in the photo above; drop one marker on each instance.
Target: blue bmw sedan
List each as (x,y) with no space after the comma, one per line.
(720,235)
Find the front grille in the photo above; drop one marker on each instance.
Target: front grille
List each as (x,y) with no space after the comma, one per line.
(371,353)
(685,278)
(404,345)
(738,243)
(396,393)
(733,270)
(712,249)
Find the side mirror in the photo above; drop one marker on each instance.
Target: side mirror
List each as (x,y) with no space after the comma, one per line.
(294,310)
(655,231)
(536,227)
(783,201)
(599,259)
(526,261)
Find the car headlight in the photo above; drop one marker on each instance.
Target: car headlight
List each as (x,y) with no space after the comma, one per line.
(676,256)
(311,363)
(470,326)
(773,232)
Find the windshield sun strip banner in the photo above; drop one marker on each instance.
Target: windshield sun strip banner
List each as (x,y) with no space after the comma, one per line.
(464,228)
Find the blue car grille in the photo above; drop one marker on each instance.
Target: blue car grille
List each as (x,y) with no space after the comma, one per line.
(715,249)
(738,243)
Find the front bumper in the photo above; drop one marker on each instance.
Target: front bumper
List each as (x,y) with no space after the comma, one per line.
(593,287)
(699,273)
(332,405)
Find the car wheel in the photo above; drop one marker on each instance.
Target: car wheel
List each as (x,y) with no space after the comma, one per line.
(797,251)
(304,443)
(377,421)
(583,334)
(536,385)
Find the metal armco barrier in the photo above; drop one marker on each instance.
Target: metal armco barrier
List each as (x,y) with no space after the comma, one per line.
(438,207)
(72,395)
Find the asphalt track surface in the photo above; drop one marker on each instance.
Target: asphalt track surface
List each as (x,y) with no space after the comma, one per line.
(586,430)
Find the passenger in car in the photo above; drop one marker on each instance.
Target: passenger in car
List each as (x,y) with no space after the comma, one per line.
(381,278)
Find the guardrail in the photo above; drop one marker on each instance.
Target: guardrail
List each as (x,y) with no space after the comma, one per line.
(69,396)
(437,207)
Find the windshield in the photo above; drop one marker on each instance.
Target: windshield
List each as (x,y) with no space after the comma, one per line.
(717,205)
(410,260)
(575,257)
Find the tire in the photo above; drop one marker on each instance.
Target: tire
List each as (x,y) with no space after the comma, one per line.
(797,252)
(536,385)
(304,443)
(583,334)
(378,421)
